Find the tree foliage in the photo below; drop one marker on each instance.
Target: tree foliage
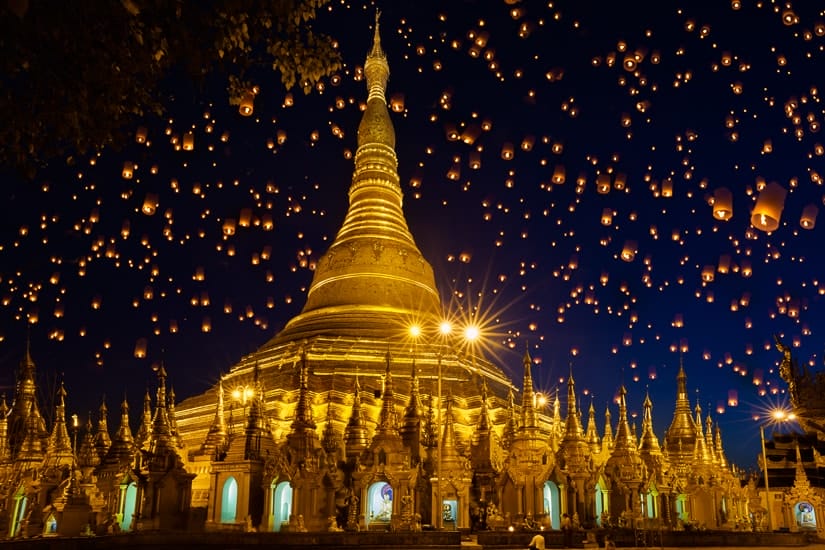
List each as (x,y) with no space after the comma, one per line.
(74,74)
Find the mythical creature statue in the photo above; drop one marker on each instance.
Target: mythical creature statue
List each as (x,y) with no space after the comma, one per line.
(806,390)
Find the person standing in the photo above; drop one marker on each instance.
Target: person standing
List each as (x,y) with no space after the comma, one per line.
(567,530)
(537,543)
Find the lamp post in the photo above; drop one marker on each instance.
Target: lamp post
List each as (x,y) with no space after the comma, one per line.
(445,329)
(777,415)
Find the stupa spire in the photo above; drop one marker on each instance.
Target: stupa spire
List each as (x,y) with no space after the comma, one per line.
(303,411)
(355,434)
(592,434)
(388,419)
(217,437)
(123,444)
(60,445)
(528,409)
(681,435)
(5,450)
(649,442)
(102,439)
(373,275)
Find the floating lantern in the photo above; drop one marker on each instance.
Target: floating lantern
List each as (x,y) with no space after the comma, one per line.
(603,184)
(708,273)
(140,348)
(768,208)
(507,151)
(267,223)
(607,216)
(150,204)
(808,219)
(559,174)
(245,218)
(724,264)
(397,103)
(527,143)
(733,398)
(629,251)
(140,134)
(722,204)
(620,182)
(247,105)
(229,227)
(128,170)
(188,141)
(667,188)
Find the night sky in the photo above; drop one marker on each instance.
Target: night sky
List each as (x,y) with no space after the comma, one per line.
(508,116)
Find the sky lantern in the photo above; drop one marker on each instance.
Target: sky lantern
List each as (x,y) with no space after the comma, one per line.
(247,105)
(808,219)
(603,184)
(733,398)
(507,151)
(620,182)
(724,264)
(189,141)
(150,204)
(128,170)
(767,211)
(722,204)
(559,174)
(229,227)
(140,134)
(140,348)
(667,188)
(708,273)
(607,216)
(629,251)
(397,102)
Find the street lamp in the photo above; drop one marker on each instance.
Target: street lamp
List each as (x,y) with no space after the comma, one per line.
(445,329)
(777,415)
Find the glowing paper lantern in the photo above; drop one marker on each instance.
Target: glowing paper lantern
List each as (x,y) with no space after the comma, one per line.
(140,134)
(629,251)
(607,216)
(128,170)
(603,184)
(722,204)
(229,227)
(150,204)
(808,219)
(507,151)
(140,348)
(188,141)
(247,105)
(559,175)
(768,208)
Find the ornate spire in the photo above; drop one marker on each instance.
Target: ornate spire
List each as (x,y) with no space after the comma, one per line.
(330,439)
(592,434)
(625,440)
(373,273)
(511,426)
(681,435)
(700,449)
(355,434)
(87,457)
(145,429)
(5,449)
(303,411)
(161,436)
(173,420)
(709,438)
(607,438)
(217,437)
(649,442)
(411,429)
(256,423)
(60,445)
(102,439)
(388,419)
(123,444)
(450,449)
(720,450)
(483,426)
(528,410)
(573,428)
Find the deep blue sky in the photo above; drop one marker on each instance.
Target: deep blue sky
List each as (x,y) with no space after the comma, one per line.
(537,259)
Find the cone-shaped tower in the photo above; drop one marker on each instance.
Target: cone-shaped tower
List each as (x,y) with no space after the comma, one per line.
(60,451)
(356,439)
(373,274)
(102,439)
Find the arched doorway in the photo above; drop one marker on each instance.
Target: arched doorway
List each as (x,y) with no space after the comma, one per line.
(379,502)
(229,501)
(805,515)
(127,505)
(652,502)
(602,500)
(18,512)
(281,504)
(552,506)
